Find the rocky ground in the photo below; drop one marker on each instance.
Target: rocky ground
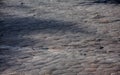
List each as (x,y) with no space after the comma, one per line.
(59,37)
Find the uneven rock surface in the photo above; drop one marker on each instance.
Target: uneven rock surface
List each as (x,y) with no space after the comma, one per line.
(59,37)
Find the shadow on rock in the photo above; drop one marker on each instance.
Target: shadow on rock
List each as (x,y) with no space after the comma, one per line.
(13,29)
(107,1)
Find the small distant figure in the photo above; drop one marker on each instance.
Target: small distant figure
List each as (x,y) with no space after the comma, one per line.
(21,3)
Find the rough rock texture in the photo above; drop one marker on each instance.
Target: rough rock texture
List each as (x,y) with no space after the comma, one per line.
(59,37)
